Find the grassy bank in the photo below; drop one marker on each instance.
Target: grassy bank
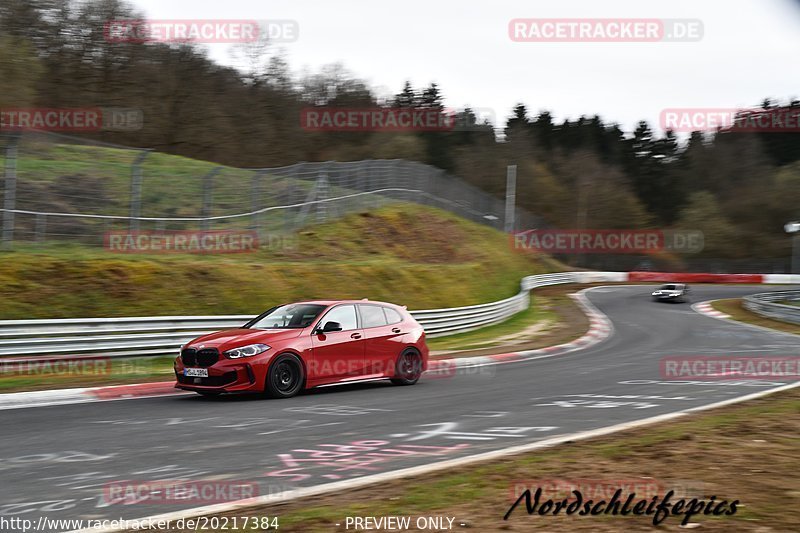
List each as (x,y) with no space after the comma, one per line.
(407,254)
(734,308)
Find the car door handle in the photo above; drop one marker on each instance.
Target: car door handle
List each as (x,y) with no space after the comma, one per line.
(355,336)
(395,330)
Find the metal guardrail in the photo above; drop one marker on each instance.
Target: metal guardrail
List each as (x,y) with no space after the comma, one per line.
(766,304)
(147,336)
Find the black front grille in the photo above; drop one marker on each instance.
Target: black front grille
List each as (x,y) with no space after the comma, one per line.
(204,357)
(207,356)
(189,356)
(210,381)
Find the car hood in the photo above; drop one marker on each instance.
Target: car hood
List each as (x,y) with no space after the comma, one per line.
(234,338)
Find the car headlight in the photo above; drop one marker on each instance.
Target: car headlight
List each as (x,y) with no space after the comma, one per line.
(247,351)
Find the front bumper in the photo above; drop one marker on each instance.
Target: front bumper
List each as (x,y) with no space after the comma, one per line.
(224,376)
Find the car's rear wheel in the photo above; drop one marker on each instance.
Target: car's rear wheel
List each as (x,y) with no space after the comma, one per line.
(408,368)
(285,377)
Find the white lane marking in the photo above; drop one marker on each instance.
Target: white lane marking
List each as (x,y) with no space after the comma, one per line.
(740,383)
(335,410)
(300,428)
(597,404)
(80,400)
(447,430)
(355,483)
(19,400)
(630,397)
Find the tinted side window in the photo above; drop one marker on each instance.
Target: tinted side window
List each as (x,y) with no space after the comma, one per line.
(287,316)
(392,316)
(371,316)
(344,315)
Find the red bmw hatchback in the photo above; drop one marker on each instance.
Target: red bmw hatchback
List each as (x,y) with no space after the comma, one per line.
(307,344)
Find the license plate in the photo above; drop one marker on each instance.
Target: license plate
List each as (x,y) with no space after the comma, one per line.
(195,372)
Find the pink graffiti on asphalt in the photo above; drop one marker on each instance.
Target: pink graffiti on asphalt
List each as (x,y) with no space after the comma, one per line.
(338,461)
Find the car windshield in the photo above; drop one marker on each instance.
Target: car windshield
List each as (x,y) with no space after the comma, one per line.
(669,288)
(287,317)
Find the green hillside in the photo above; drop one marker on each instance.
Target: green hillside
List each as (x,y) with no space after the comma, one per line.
(412,255)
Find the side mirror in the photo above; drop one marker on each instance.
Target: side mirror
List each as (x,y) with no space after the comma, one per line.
(329,327)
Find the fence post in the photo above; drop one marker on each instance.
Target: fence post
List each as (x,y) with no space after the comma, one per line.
(322,194)
(306,207)
(288,217)
(420,182)
(208,187)
(41,227)
(10,198)
(361,177)
(136,190)
(407,173)
(256,198)
(511,196)
(377,172)
(428,186)
(106,228)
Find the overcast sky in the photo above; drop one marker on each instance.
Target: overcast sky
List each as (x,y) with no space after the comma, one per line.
(749,51)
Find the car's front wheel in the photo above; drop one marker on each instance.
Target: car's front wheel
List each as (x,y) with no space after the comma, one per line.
(408,368)
(285,377)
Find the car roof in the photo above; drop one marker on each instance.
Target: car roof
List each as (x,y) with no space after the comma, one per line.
(334,302)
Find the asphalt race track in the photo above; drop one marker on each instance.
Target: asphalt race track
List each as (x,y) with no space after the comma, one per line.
(55,461)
